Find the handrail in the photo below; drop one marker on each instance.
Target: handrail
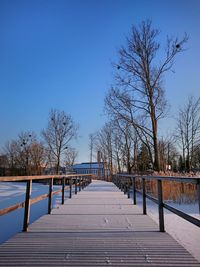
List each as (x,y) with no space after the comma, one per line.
(39,177)
(167,178)
(127,181)
(78,180)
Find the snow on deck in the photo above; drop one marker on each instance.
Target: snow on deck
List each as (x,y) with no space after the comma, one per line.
(97,227)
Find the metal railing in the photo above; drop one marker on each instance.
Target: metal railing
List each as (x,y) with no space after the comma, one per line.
(79,181)
(127,183)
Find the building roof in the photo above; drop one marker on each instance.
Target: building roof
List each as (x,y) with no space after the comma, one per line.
(88,165)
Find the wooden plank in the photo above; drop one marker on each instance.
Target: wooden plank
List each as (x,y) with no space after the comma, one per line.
(131,249)
(97,227)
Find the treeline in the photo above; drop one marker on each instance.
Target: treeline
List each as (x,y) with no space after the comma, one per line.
(130,141)
(29,155)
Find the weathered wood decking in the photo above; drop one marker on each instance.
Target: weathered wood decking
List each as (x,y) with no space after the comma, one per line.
(97,227)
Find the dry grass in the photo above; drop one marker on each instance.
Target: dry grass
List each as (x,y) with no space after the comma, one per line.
(172,191)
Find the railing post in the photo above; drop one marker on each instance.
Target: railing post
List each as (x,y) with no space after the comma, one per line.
(144,196)
(70,188)
(198,193)
(63,190)
(50,195)
(124,188)
(160,206)
(128,188)
(134,190)
(27,205)
(120,184)
(75,185)
(79,180)
(82,183)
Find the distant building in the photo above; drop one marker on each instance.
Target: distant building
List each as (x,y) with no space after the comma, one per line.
(90,168)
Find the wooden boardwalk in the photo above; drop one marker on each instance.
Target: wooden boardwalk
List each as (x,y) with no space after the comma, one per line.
(97,227)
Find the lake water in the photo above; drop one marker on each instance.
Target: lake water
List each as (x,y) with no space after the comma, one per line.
(13,193)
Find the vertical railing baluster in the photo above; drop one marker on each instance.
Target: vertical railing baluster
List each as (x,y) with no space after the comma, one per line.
(63,190)
(27,205)
(50,195)
(144,196)
(128,189)
(160,206)
(198,193)
(124,188)
(134,190)
(79,181)
(75,185)
(70,188)
(82,182)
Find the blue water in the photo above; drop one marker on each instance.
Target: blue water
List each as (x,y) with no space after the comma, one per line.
(13,193)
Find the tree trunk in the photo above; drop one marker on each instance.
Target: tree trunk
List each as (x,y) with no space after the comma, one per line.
(58,165)
(118,164)
(155,139)
(156,154)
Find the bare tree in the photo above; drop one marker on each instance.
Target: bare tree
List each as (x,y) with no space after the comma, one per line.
(118,143)
(11,151)
(25,142)
(70,156)
(103,144)
(26,155)
(188,131)
(91,148)
(38,158)
(143,159)
(129,144)
(168,154)
(60,131)
(196,157)
(138,96)
(118,148)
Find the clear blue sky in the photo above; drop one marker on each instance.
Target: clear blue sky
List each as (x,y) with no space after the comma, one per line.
(57,54)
